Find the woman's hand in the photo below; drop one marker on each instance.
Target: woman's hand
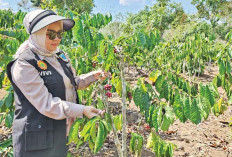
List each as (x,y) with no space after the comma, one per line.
(100,75)
(90,112)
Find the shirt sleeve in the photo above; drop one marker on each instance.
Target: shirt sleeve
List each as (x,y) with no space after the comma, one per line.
(28,80)
(84,80)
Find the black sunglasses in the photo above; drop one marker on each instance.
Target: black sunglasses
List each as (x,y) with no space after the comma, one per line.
(52,34)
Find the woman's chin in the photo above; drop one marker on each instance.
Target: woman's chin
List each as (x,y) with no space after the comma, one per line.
(52,48)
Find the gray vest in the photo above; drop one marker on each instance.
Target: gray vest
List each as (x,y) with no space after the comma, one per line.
(35,135)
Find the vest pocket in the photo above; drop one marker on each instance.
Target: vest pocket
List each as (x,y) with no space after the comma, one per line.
(38,136)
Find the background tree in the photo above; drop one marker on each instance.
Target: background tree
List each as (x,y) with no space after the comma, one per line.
(24,4)
(211,10)
(160,16)
(78,6)
(218,12)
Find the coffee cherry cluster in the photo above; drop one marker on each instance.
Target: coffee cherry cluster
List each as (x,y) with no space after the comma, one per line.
(108,94)
(115,50)
(129,95)
(93,64)
(146,127)
(118,49)
(107,87)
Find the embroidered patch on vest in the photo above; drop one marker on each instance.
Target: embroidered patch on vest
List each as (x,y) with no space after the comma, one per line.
(42,65)
(62,56)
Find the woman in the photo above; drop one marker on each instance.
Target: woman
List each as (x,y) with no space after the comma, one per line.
(46,101)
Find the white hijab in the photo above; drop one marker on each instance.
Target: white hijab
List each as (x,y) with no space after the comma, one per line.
(36,41)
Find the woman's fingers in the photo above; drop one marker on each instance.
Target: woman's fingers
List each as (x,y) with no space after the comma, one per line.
(97,75)
(90,112)
(101,112)
(102,75)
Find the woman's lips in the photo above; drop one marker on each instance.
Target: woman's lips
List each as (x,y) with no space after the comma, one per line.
(54,44)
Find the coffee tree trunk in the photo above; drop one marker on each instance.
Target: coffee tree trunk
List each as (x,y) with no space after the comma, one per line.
(116,140)
(124,106)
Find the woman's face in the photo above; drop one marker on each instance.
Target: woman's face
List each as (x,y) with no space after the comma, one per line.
(51,45)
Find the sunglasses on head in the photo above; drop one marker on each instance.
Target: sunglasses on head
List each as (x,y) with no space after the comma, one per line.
(52,34)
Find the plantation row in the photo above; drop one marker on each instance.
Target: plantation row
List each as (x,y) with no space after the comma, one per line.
(168,98)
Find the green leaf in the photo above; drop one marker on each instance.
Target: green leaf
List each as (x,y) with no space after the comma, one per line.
(195,115)
(106,128)
(110,58)
(164,91)
(91,144)
(100,104)
(100,138)
(107,125)
(142,39)
(209,94)
(87,127)
(145,101)
(102,48)
(187,105)
(2,102)
(168,118)
(118,121)
(1,118)
(9,100)
(149,88)
(78,30)
(228,69)
(169,150)
(74,131)
(8,120)
(219,108)
(160,147)
(108,118)
(93,132)
(6,143)
(136,96)
(143,87)
(230,100)
(215,81)
(2,75)
(205,106)
(119,87)
(178,107)
(202,90)
(159,83)
(222,68)
(132,143)
(142,100)
(149,120)
(184,87)
(136,144)
(88,35)
(157,118)
(154,75)
(151,140)
(139,145)
(100,60)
